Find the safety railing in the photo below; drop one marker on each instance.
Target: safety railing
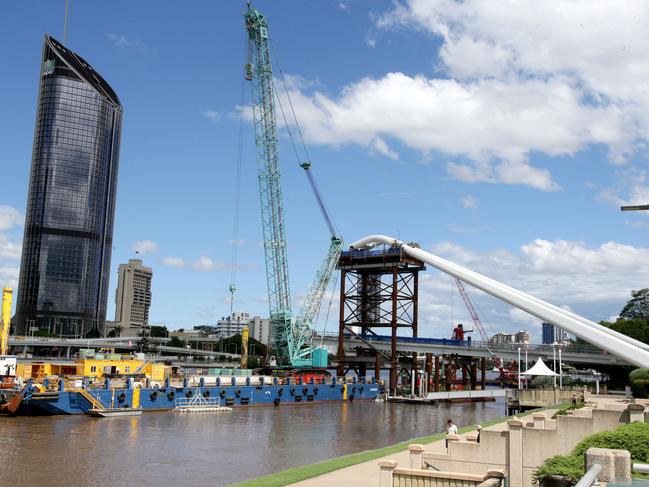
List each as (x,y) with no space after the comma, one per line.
(590,477)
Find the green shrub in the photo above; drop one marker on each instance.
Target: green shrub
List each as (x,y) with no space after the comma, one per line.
(640,388)
(564,411)
(639,374)
(632,437)
(567,465)
(639,381)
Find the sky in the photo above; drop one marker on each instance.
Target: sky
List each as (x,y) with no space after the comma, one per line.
(503,136)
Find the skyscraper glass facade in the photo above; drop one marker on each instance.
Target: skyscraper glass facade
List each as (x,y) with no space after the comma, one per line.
(65,267)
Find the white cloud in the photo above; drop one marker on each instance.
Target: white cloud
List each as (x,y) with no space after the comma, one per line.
(145,247)
(521,317)
(9,277)
(343,5)
(9,217)
(212,115)
(631,189)
(9,249)
(561,271)
(120,40)
(174,262)
(469,202)
(238,242)
(516,79)
(594,281)
(495,124)
(204,264)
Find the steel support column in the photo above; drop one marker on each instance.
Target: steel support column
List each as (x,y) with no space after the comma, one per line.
(483,373)
(340,371)
(377,367)
(394,360)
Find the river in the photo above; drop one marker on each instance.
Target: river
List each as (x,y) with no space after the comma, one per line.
(196,450)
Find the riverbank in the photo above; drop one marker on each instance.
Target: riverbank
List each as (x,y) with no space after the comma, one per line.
(358,469)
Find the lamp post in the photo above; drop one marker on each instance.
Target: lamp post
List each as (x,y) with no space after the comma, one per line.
(527,367)
(554,363)
(189,347)
(519,367)
(560,370)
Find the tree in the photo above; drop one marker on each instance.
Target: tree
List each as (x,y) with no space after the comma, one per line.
(157,331)
(637,307)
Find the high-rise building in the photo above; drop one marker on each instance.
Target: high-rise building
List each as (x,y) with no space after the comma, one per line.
(260,329)
(133,294)
(522,336)
(232,325)
(548,333)
(65,267)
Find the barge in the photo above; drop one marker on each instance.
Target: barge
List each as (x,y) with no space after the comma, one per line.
(276,392)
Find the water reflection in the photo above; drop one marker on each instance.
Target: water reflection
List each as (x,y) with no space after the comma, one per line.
(169,449)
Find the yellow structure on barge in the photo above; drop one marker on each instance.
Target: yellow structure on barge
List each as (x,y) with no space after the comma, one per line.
(94,366)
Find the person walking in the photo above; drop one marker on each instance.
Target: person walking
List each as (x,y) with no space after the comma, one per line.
(479,428)
(451,429)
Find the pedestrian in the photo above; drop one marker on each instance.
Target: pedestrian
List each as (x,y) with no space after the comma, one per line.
(451,429)
(574,399)
(581,397)
(479,428)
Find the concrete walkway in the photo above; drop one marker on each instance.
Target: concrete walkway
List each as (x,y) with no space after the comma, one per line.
(367,473)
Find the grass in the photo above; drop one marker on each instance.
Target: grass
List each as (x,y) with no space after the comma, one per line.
(296,474)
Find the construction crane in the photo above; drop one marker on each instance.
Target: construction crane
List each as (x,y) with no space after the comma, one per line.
(292,335)
(475,319)
(5,319)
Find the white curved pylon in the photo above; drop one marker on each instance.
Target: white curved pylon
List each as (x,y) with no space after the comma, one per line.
(615,343)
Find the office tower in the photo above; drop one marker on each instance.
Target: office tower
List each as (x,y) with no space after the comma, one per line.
(65,267)
(133,295)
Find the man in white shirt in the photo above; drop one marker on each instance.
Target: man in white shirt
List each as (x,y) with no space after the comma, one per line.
(451,429)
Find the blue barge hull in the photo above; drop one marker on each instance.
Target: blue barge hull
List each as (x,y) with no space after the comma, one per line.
(160,399)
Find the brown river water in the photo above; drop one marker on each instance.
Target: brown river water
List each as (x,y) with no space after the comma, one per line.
(165,449)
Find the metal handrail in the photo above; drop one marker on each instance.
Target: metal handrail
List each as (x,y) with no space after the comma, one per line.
(640,467)
(590,477)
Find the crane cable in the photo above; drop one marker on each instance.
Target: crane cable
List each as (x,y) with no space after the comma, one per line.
(304,165)
(237,199)
(331,299)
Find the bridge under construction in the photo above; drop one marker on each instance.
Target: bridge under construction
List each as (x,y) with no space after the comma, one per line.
(379,289)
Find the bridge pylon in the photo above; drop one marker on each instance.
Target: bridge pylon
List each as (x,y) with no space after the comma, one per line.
(379,288)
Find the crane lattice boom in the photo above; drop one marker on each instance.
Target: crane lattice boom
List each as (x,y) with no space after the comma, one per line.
(291,336)
(475,319)
(259,72)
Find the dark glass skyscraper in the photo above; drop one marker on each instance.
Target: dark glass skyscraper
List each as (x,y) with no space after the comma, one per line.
(65,265)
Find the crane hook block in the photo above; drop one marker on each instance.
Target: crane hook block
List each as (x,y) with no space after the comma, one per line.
(305,165)
(249,72)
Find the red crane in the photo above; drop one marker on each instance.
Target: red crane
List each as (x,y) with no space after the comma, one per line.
(475,319)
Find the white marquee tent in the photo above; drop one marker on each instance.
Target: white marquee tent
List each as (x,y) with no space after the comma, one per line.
(539,368)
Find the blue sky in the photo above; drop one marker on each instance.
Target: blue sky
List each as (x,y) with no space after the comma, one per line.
(496,137)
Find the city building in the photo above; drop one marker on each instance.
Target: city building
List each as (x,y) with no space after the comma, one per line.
(260,329)
(206,330)
(552,334)
(65,267)
(548,333)
(520,338)
(232,325)
(133,295)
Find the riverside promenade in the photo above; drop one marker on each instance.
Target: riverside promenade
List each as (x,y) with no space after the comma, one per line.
(528,439)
